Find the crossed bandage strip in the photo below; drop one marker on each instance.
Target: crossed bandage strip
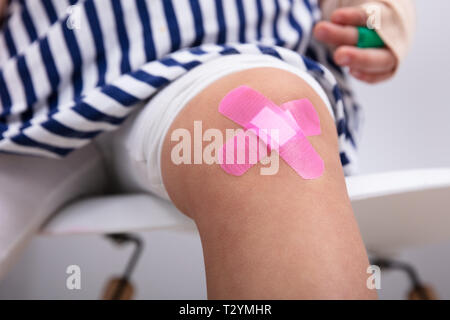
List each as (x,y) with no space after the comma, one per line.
(281,128)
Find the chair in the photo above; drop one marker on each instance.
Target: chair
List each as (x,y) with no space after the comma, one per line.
(394,210)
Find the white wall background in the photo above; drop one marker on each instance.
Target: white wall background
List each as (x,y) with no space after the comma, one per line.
(407,126)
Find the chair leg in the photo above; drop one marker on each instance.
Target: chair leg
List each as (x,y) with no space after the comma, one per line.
(418,291)
(121,288)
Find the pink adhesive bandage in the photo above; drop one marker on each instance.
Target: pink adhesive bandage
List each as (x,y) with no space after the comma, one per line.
(283,128)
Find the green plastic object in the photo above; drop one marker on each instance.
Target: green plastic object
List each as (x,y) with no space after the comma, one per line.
(369,38)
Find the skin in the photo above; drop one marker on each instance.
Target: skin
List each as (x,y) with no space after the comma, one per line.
(270,237)
(3,6)
(368,65)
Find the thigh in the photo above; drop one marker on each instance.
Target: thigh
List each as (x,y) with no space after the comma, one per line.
(31,189)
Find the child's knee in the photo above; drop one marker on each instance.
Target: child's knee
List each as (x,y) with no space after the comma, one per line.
(198,182)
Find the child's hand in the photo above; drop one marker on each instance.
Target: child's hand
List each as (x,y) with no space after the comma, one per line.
(369,65)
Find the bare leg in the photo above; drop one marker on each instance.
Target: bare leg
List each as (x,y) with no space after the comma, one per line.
(276,236)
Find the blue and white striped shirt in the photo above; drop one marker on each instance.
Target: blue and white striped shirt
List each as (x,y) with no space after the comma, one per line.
(70,69)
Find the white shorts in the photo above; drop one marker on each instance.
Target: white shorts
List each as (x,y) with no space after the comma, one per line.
(136,159)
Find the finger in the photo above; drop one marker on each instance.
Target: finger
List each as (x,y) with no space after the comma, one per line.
(353,16)
(368,60)
(371,78)
(336,34)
